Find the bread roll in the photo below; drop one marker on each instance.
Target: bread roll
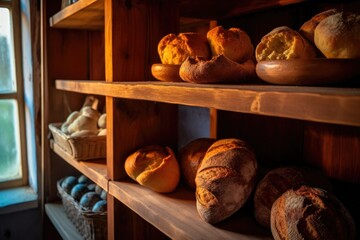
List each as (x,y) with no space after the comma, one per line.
(102,121)
(225,179)
(234,43)
(338,36)
(154,167)
(219,69)
(174,49)
(83,123)
(308,28)
(311,214)
(190,157)
(284,43)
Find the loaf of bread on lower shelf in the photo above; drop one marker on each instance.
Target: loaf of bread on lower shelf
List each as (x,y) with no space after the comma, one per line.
(225,179)
(190,157)
(154,167)
(312,214)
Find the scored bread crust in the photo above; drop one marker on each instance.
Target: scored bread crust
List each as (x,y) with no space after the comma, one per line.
(233,43)
(283,43)
(338,36)
(312,214)
(174,49)
(155,167)
(219,69)
(225,179)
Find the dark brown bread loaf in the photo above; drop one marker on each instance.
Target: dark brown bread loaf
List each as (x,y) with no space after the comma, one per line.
(311,214)
(225,179)
(190,157)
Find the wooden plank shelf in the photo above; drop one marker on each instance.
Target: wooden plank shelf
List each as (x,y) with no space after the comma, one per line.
(176,216)
(319,104)
(57,215)
(96,170)
(83,14)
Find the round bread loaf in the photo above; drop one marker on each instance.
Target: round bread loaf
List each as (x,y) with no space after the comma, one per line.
(272,186)
(311,214)
(190,157)
(225,179)
(219,69)
(154,167)
(338,36)
(174,49)
(284,43)
(308,28)
(234,43)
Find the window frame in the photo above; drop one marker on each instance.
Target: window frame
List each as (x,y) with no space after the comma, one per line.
(15,14)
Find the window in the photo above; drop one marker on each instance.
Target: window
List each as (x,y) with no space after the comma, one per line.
(13,168)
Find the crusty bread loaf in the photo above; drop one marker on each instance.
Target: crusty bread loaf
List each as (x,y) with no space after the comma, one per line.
(284,43)
(225,179)
(219,69)
(308,28)
(311,214)
(272,186)
(234,43)
(174,49)
(338,36)
(155,167)
(190,157)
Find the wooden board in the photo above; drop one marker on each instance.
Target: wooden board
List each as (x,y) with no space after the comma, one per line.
(330,105)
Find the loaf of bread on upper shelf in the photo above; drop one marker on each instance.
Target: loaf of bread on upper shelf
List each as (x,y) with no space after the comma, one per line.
(174,49)
(190,157)
(219,69)
(311,214)
(338,36)
(154,167)
(233,43)
(225,179)
(308,28)
(284,43)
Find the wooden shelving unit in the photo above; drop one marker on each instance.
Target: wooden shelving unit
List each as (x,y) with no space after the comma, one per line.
(141,111)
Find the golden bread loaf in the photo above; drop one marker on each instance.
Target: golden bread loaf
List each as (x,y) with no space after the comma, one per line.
(338,36)
(174,49)
(219,69)
(190,157)
(311,214)
(225,179)
(234,43)
(308,28)
(284,43)
(154,167)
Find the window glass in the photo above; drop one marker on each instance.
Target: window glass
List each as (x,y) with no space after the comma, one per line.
(10,165)
(7,69)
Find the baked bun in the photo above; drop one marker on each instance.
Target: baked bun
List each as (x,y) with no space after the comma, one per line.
(284,43)
(190,157)
(225,179)
(234,43)
(338,36)
(154,167)
(308,28)
(219,69)
(174,49)
(311,214)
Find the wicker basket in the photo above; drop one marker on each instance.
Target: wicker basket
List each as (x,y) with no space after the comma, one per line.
(91,225)
(80,148)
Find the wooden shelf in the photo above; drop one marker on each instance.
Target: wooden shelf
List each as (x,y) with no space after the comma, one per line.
(175,214)
(95,170)
(63,225)
(319,104)
(84,14)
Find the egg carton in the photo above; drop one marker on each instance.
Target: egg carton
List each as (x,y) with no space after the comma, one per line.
(80,148)
(91,225)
